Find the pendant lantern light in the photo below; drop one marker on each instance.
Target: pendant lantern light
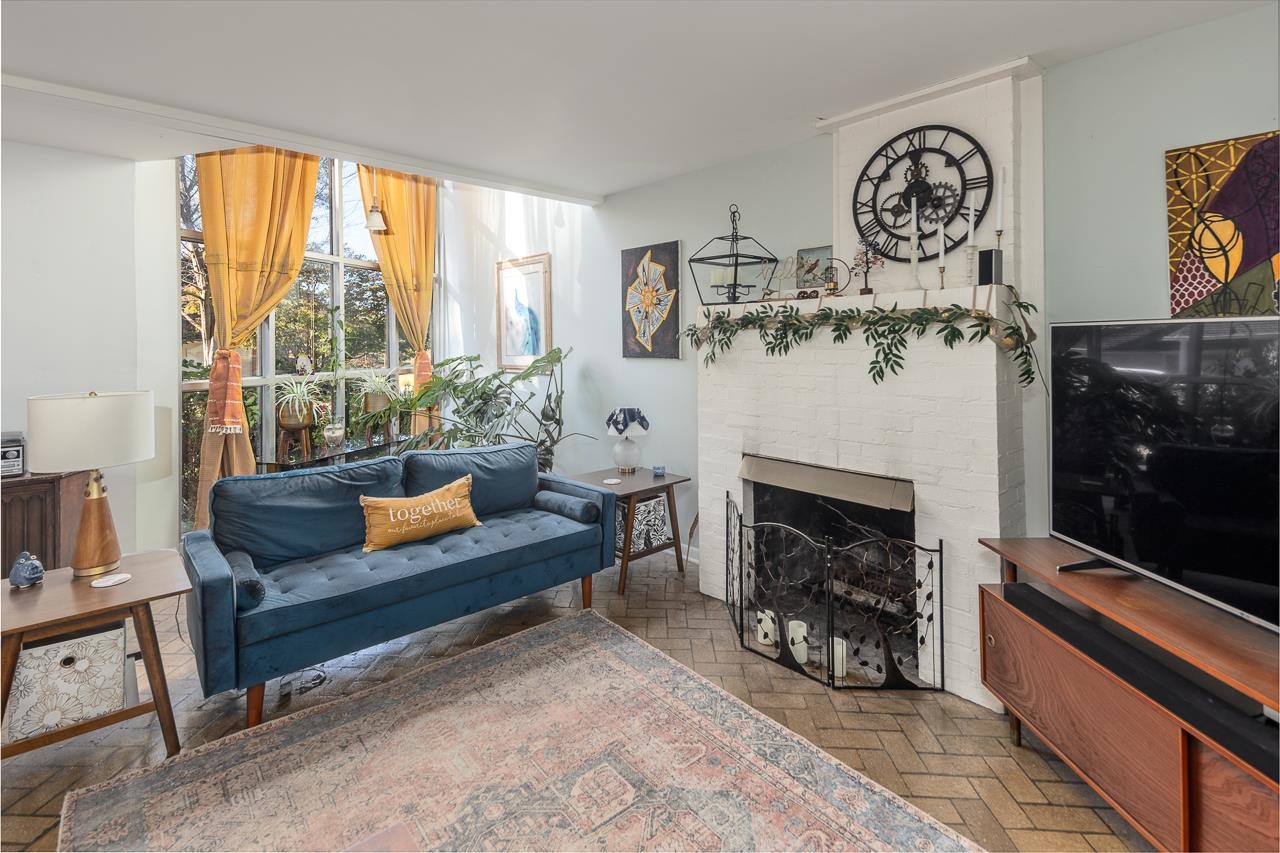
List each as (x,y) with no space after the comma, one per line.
(732,267)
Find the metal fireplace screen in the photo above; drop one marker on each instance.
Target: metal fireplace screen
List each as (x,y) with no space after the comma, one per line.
(855,614)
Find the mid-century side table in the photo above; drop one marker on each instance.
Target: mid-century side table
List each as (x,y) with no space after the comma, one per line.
(634,488)
(63,603)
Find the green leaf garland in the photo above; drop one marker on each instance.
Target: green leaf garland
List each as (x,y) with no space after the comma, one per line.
(887,331)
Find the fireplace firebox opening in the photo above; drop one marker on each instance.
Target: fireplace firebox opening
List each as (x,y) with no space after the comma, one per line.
(824,576)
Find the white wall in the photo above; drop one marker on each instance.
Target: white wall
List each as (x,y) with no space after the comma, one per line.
(115,253)
(69,315)
(785,200)
(87,288)
(1109,118)
(159,342)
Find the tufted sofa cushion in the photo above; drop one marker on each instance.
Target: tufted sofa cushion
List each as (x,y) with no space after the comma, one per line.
(318,590)
(503,477)
(276,518)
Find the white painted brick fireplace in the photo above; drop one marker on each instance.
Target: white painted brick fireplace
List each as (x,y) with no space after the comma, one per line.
(951,423)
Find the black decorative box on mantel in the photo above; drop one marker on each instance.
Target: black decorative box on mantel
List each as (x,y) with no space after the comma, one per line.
(990,266)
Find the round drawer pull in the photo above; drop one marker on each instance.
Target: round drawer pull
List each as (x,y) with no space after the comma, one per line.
(991,640)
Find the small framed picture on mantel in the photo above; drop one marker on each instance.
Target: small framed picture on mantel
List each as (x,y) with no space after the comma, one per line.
(811,267)
(524,310)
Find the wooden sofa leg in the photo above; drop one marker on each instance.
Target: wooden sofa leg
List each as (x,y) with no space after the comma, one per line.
(255,697)
(586,593)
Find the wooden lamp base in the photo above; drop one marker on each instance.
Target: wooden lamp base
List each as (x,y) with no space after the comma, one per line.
(97,546)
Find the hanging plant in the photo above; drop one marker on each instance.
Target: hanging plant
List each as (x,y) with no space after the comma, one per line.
(886,330)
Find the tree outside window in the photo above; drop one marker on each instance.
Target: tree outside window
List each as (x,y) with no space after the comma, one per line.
(335,321)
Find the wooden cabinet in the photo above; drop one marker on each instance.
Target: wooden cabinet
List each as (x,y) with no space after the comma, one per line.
(1118,742)
(40,513)
(1163,750)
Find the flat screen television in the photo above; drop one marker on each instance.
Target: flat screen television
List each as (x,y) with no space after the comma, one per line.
(1165,453)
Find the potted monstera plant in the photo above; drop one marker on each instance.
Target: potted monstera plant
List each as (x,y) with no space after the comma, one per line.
(479,408)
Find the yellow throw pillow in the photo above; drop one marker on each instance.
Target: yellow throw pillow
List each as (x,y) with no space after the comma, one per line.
(393,521)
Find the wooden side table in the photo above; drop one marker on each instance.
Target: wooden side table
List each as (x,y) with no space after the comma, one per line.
(63,603)
(634,488)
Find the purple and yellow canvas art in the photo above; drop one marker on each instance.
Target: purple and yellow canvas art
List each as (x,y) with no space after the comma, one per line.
(1224,227)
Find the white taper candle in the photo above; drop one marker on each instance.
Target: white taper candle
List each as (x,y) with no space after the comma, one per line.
(914,242)
(796,633)
(1000,201)
(766,628)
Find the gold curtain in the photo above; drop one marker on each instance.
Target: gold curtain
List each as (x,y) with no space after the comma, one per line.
(256,207)
(407,254)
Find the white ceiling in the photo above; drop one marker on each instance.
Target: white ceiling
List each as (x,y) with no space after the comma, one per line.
(580,99)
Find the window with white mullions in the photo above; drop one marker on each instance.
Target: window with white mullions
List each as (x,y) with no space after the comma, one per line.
(334,322)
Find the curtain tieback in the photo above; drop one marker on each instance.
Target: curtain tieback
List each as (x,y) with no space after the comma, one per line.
(421,368)
(226,401)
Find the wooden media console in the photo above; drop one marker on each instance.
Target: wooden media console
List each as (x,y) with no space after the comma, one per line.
(1143,690)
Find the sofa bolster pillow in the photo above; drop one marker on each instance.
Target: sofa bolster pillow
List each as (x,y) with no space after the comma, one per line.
(604,499)
(578,509)
(250,590)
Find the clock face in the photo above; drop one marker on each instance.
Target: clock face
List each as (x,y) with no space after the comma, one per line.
(942,169)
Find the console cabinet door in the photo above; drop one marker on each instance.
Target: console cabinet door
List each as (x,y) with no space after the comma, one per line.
(40,514)
(1116,737)
(1230,810)
(29,521)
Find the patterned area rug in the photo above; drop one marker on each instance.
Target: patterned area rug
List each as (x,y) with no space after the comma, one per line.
(572,735)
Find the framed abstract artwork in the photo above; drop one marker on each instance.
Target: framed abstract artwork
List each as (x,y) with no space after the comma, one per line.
(524,310)
(650,301)
(1224,226)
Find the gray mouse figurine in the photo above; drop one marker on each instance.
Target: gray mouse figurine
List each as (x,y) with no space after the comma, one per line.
(26,571)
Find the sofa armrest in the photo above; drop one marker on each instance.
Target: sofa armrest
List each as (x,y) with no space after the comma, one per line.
(603,498)
(211,612)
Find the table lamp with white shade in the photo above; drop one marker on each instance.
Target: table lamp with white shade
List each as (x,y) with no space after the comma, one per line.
(89,432)
(623,424)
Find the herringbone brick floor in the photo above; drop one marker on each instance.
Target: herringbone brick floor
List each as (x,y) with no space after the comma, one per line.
(948,756)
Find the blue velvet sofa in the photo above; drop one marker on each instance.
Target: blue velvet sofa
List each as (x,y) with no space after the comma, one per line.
(280,580)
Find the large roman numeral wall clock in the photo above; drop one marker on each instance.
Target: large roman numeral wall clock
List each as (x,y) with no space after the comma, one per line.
(942,168)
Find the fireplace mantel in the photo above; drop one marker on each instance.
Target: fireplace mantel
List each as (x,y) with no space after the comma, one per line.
(950,424)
